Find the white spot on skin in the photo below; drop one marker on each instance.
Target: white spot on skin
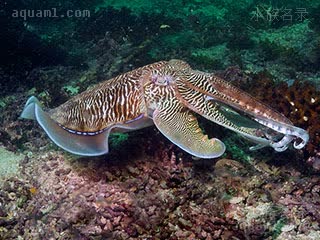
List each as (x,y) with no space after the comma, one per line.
(305,118)
(313,100)
(292,103)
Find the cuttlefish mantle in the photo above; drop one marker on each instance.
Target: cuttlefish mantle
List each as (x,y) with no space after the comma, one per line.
(165,94)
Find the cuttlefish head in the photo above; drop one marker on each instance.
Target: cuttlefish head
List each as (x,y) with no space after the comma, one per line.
(173,119)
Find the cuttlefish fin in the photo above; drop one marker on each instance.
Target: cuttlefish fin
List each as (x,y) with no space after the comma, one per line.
(181,128)
(85,145)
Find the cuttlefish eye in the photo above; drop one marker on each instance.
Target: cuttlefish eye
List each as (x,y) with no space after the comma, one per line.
(160,80)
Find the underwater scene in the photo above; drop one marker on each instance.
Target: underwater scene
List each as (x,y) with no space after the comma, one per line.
(150,119)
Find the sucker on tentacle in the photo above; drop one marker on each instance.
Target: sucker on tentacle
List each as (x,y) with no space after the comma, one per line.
(165,94)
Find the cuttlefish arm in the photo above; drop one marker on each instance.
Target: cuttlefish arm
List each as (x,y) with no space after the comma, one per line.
(178,124)
(218,90)
(197,102)
(260,134)
(260,112)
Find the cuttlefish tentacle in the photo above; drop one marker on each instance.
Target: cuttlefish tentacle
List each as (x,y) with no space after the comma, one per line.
(221,90)
(260,112)
(258,133)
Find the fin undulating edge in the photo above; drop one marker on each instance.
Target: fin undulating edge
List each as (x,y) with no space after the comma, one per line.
(77,144)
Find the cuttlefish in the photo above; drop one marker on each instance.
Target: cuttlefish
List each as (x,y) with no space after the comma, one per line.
(166,94)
